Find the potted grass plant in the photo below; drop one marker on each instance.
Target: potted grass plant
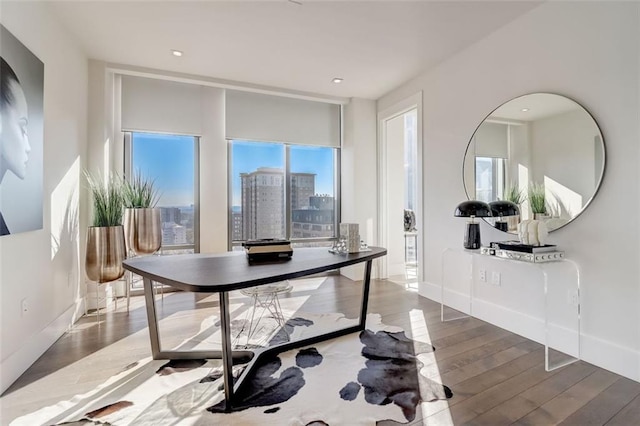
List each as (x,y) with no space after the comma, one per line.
(142,222)
(515,195)
(105,237)
(537,200)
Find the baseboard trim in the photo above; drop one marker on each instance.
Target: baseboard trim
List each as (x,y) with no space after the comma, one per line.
(18,362)
(610,356)
(602,353)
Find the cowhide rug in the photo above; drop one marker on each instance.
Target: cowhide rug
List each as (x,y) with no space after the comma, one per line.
(359,379)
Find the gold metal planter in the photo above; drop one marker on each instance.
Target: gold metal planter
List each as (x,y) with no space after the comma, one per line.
(143,230)
(105,253)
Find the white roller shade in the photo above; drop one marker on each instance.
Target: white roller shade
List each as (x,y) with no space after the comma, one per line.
(492,140)
(161,106)
(254,116)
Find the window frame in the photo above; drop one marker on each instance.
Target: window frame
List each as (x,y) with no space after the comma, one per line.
(287,193)
(128,173)
(498,176)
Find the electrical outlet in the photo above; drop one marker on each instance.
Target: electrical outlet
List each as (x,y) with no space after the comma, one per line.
(573,298)
(24,306)
(495,278)
(483,275)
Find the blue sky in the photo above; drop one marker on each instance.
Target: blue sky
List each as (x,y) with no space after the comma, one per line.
(169,160)
(248,156)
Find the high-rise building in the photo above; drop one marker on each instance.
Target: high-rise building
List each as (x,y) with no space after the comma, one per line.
(170,215)
(263,209)
(263,204)
(316,220)
(173,234)
(236,224)
(303,186)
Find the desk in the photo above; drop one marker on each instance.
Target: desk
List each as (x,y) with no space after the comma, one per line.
(223,273)
(540,301)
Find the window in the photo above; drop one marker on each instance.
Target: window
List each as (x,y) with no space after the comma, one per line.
(172,161)
(490,179)
(283,191)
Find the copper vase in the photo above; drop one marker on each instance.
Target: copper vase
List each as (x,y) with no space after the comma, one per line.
(143,230)
(105,253)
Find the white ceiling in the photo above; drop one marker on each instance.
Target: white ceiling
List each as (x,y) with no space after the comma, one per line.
(375,46)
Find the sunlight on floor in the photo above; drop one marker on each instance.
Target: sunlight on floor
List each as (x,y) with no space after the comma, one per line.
(419,327)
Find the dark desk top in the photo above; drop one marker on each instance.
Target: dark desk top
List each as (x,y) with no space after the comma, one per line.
(212,273)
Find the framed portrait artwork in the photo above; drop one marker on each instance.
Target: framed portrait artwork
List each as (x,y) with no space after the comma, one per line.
(21,136)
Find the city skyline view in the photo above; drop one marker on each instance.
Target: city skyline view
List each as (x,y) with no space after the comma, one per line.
(259,168)
(247,157)
(169,160)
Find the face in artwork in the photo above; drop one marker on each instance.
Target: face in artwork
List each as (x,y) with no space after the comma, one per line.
(14,138)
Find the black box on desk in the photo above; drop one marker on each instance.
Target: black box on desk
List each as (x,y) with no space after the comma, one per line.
(267,250)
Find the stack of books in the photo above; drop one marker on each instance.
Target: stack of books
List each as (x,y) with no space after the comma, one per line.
(268,250)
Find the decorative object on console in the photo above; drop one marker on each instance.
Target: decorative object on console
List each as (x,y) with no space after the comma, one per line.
(409,221)
(502,209)
(526,248)
(472,209)
(532,232)
(525,256)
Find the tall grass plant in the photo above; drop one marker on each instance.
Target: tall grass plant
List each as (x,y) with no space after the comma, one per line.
(537,198)
(140,192)
(108,201)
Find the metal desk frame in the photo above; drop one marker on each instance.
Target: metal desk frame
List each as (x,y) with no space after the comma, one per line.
(150,269)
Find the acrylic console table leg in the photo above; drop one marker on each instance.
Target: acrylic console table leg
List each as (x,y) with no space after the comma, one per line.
(448,313)
(559,297)
(573,299)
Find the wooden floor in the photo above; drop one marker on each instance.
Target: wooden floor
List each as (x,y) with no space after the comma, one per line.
(497,377)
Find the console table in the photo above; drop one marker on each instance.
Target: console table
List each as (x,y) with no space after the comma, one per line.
(555,284)
(226,272)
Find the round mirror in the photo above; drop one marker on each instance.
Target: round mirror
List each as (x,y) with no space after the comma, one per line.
(543,152)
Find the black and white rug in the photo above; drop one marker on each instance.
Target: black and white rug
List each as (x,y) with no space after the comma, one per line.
(359,379)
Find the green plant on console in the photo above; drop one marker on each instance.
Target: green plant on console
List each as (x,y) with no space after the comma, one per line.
(513,194)
(537,198)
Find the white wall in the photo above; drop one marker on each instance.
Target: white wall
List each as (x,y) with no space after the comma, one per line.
(358,174)
(563,151)
(589,52)
(395,196)
(44,266)
(213,180)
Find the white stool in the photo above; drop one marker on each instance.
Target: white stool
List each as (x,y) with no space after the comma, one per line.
(265,297)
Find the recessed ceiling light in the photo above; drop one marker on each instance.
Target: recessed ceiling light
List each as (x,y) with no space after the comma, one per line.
(176,52)
(337,80)
(524,109)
